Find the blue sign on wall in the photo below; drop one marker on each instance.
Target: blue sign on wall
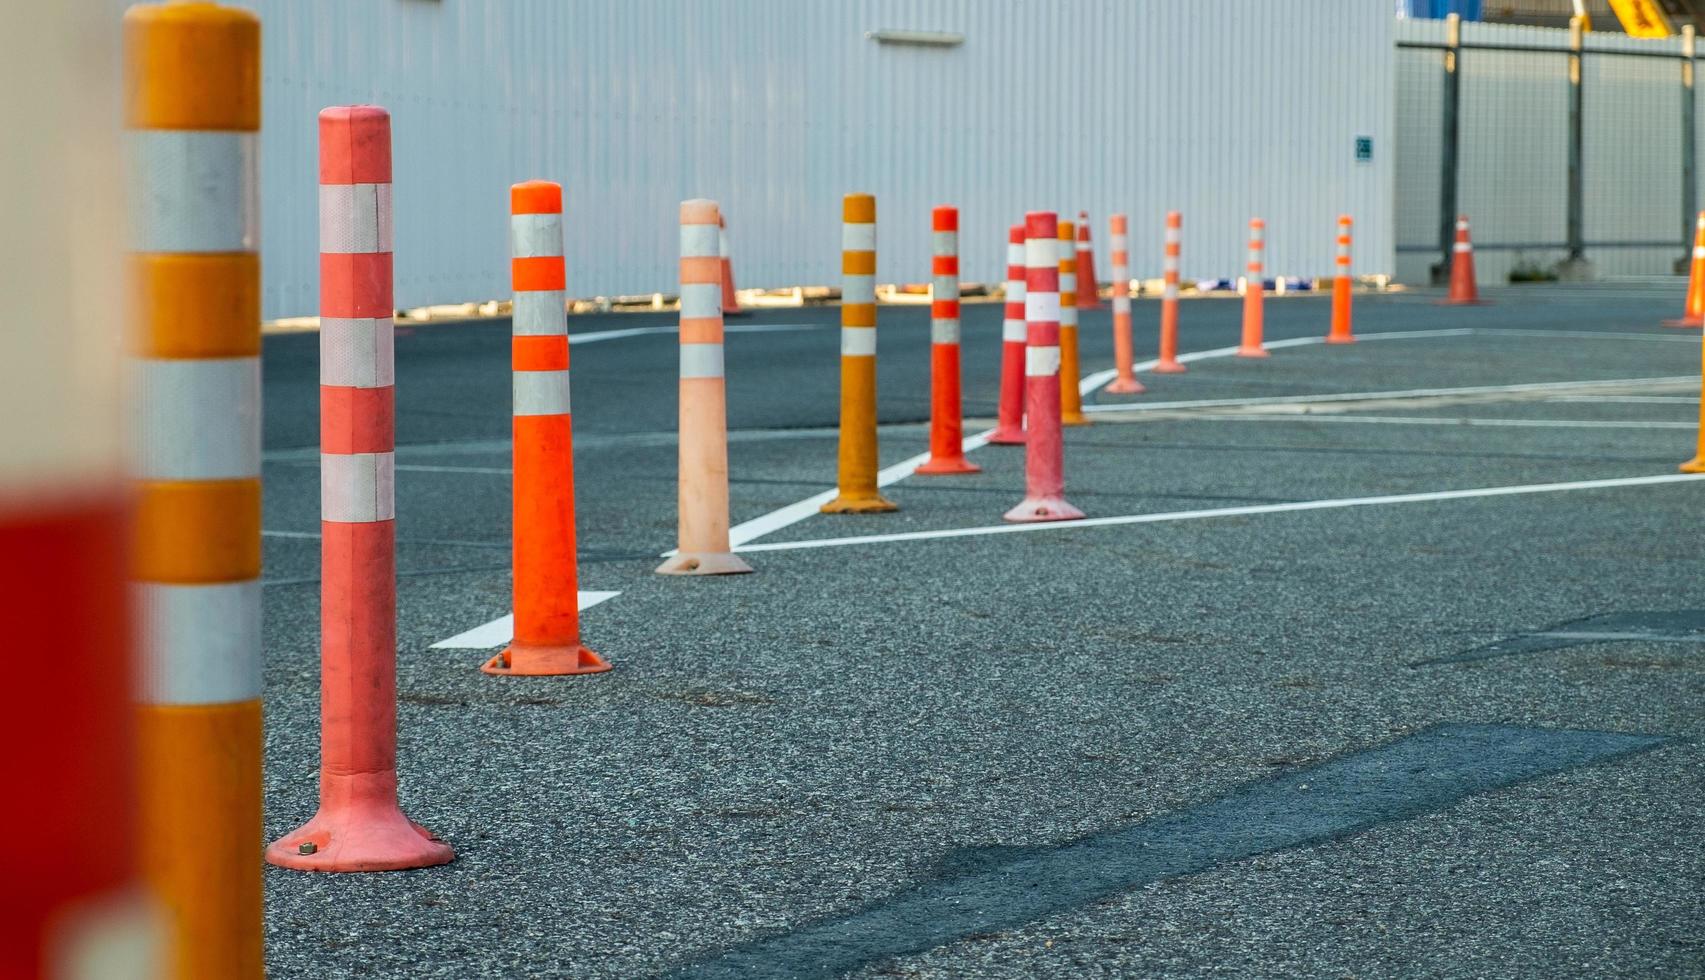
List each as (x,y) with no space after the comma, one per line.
(1436,9)
(1364,149)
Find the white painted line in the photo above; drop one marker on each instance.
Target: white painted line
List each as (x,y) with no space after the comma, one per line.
(595,336)
(1627,399)
(1191,515)
(1432,420)
(502,629)
(793,513)
(1665,338)
(1358,396)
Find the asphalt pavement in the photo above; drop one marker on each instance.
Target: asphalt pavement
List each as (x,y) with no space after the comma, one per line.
(1387,662)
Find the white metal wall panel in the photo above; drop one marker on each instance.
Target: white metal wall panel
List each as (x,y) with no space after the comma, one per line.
(1224,109)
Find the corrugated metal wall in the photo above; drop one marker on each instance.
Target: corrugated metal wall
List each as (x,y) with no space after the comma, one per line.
(1223,109)
(1513,171)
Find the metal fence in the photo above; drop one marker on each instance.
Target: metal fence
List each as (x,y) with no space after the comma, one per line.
(1572,154)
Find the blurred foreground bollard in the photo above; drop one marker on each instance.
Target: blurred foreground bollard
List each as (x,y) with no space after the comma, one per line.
(1044,453)
(359,826)
(71,903)
(192,119)
(702,546)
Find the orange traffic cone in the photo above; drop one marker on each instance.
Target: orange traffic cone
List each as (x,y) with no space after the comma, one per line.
(730,302)
(1463,291)
(1693,315)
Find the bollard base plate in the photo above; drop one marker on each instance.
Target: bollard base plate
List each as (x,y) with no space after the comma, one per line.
(542,661)
(1013,436)
(938,466)
(1685,322)
(1253,352)
(1124,386)
(873,503)
(1074,418)
(1170,367)
(703,563)
(1694,465)
(1337,339)
(1043,509)
(1462,302)
(360,837)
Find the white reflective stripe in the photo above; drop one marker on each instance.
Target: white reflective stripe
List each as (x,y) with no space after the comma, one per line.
(535,235)
(1068,282)
(200,643)
(1254,256)
(945,287)
(701,360)
(1015,290)
(355,218)
(1119,243)
(1067,249)
(1172,236)
(541,393)
(191,190)
(1014,331)
(1014,253)
(721,241)
(944,331)
(1462,247)
(858,341)
(357,353)
(1169,291)
(1699,251)
(946,242)
(1068,315)
(1344,251)
(858,289)
(701,299)
(858,237)
(1042,308)
(1041,362)
(701,241)
(197,419)
(539,313)
(1121,303)
(1461,225)
(1169,263)
(1040,253)
(357,488)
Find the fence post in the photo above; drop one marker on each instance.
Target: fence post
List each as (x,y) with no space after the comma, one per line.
(1576,266)
(1689,151)
(1452,98)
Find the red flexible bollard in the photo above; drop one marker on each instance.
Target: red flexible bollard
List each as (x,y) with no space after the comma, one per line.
(1044,451)
(947,427)
(1168,362)
(1009,425)
(360,826)
(1253,289)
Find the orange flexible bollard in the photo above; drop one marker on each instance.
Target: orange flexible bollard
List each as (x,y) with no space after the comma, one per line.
(730,298)
(1253,288)
(72,902)
(858,460)
(1697,463)
(702,503)
(1126,382)
(1693,313)
(1088,286)
(1464,291)
(1071,397)
(193,121)
(947,427)
(1009,422)
(547,574)
(1168,362)
(360,825)
(1341,332)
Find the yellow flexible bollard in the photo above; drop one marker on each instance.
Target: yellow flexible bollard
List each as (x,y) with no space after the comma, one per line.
(858,493)
(1071,399)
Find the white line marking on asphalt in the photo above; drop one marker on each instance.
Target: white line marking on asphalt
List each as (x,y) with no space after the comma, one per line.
(595,336)
(1669,338)
(1191,515)
(1358,396)
(793,513)
(1628,399)
(1432,420)
(502,629)
(314,535)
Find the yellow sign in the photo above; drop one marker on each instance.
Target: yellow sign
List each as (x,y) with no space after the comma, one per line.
(1642,18)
